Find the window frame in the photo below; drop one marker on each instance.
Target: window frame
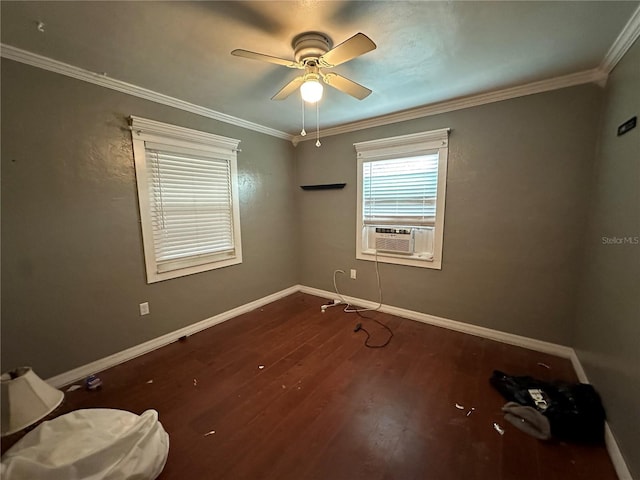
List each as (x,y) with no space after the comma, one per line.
(186,141)
(403,146)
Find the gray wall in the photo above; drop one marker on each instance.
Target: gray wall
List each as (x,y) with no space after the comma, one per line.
(72,259)
(521,188)
(607,336)
(516,206)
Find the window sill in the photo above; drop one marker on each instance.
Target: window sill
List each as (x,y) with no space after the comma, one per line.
(408,260)
(153,276)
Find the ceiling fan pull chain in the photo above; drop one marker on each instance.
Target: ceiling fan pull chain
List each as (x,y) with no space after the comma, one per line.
(303,133)
(318,124)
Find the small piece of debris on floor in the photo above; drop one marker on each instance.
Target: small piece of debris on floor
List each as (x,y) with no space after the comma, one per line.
(260,367)
(92,382)
(544,365)
(209,433)
(73,388)
(470,411)
(459,407)
(284,386)
(149,381)
(195,382)
(498,428)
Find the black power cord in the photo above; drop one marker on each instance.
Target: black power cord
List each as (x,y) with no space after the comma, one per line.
(359,327)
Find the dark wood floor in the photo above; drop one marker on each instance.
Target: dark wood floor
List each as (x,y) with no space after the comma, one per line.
(325,407)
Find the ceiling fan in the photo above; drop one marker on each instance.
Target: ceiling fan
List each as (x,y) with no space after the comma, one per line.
(313,52)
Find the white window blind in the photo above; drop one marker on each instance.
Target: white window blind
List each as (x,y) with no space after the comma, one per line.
(400,191)
(190,206)
(188,195)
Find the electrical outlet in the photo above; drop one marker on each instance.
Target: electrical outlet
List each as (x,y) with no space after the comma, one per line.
(144,308)
(353,274)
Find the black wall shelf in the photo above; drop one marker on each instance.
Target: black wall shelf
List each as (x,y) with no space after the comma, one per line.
(326,186)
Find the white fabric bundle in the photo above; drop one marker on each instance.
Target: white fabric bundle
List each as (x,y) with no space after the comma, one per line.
(91,444)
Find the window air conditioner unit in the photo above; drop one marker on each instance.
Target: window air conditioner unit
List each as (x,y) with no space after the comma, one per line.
(394,240)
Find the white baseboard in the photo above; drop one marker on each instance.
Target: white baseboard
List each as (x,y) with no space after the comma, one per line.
(615,454)
(509,338)
(133,352)
(146,347)
(609,439)
(504,337)
(577,366)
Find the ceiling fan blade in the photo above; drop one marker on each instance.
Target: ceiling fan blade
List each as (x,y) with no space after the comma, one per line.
(288,89)
(346,86)
(357,45)
(265,58)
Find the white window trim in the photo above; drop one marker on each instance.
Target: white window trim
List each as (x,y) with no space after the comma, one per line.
(393,147)
(145,130)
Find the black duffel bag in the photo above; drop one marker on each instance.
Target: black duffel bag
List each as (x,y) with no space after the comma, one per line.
(574,410)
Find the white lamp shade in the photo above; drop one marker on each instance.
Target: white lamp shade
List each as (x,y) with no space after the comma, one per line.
(26,398)
(311,91)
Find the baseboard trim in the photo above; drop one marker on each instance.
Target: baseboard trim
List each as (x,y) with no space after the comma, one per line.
(509,338)
(497,335)
(146,347)
(615,454)
(577,366)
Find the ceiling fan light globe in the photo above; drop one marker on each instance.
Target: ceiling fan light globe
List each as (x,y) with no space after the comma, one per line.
(311,91)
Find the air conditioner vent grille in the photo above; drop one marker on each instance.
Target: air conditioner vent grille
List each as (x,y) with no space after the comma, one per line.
(396,240)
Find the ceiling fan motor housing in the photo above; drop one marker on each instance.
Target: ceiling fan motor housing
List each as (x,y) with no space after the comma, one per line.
(313,52)
(311,45)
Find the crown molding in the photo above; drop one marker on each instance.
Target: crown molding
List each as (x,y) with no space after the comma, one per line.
(598,75)
(45,63)
(627,37)
(588,76)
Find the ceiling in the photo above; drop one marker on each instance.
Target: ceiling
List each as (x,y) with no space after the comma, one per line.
(428,52)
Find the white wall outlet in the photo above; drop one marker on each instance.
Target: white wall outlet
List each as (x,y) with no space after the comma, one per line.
(353,273)
(144,308)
